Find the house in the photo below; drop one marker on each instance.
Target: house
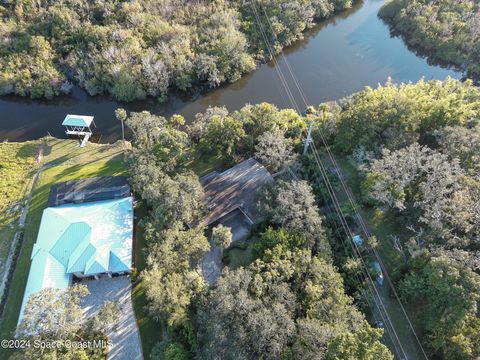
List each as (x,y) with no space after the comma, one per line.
(230,199)
(86,231)
(230,195)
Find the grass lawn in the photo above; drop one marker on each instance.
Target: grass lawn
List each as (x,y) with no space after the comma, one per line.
(240,253)
(17,167)
(202,165)
(69,162)
(150,330)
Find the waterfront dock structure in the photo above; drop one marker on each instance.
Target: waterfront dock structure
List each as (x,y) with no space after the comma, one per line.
(79,125)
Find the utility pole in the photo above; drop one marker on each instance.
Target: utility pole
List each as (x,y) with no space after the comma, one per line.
(308,140)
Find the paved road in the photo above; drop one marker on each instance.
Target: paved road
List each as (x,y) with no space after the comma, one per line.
(124,336)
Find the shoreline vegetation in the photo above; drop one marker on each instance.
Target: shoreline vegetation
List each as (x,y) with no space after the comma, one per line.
(294,292)
(137,49)
(447,33)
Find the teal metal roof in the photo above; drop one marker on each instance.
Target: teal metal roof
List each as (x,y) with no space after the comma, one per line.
(77,120)
(71,239)
(88,238)
(79,263)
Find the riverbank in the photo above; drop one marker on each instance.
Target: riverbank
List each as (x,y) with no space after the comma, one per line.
(446,33)
(336,58)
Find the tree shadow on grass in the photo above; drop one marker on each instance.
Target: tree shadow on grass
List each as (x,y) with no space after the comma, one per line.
(112,167)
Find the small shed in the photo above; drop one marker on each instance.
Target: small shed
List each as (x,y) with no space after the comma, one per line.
(79,125)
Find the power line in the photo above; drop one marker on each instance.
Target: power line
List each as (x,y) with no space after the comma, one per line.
(375,295)
(337,207)
(326,180)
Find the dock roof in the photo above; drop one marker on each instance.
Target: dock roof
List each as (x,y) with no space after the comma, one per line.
(77,120)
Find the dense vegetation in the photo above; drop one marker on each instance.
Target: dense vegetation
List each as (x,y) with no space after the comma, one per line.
(447,31)
(290,302)
(416,147)
(137,48)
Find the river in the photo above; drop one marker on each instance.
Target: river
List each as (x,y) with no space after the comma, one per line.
(337,57)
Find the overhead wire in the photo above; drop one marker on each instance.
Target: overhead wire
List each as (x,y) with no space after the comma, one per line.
(384,313)
(350,197)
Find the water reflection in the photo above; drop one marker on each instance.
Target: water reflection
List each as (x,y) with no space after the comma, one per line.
(336,58)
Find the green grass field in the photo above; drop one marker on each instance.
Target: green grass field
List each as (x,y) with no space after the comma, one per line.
(17,167)
(68,163)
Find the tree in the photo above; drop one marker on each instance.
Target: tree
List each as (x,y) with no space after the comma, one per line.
(175,199)
(232,324)
(175,352)
(312,339)
(53,313)
(109,314)
(175,248)
(159,173)
(287,304)
(445,293)
(222,236)
(171,279)
(462,143)
(274,150)
(57,315)
(157,143)
(428,186)
(121,116)
(170,293)
(362,344)
(221,133)
(291,205)
(396,116)
(273,237)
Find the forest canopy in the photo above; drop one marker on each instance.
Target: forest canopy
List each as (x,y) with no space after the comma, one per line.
(415,147)
(447,31)
(132,49)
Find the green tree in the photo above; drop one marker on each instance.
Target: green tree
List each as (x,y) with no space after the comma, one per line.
(171,279)
(395,116)
(53,313)
(175,352)
(445,293)
(56,315)
(274,150)
(121,116)
(362,344)
(222,236)
(291,205)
